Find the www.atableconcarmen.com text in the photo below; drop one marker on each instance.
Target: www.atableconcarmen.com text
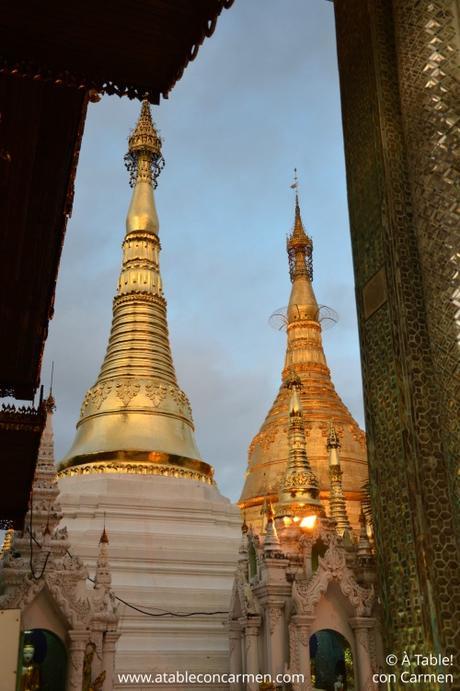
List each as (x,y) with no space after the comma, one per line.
(153,678)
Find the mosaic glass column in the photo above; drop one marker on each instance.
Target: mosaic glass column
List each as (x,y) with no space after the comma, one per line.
(397,64)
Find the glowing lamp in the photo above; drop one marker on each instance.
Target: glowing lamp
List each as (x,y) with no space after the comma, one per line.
(296,519)
(308,522)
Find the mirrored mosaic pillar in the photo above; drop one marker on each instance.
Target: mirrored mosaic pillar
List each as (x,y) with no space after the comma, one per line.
(399,91)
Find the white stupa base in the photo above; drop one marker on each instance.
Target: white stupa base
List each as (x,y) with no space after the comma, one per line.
(173,547)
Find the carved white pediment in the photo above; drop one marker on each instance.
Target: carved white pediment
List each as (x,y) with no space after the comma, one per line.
(76,610)
(332,567)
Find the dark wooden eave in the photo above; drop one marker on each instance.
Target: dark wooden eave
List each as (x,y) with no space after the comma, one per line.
(128,47)
(51,55)
(40,133)
(20,434)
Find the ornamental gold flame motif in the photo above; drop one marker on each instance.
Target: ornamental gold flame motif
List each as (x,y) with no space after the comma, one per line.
(305,363)
(135,416)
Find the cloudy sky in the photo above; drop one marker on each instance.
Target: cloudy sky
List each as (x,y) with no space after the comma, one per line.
(261,98)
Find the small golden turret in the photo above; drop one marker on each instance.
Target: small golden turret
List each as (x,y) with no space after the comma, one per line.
(299,490)
(364,545)
(337,503)
(135,418)
(272,546)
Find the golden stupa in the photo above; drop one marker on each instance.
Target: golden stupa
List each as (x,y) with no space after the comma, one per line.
(305,360)
(135,419)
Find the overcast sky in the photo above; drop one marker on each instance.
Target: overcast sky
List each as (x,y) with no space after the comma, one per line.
(261,98)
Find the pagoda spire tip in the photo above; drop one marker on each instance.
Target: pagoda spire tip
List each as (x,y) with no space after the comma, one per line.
(49,402)
(144,159)
(104,539)
(299,244)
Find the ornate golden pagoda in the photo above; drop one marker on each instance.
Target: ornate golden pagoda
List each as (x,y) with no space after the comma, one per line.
(269,450)
(135,418)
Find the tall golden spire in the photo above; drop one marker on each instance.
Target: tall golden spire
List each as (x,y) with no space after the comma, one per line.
(135,418)
(303,327)
(269,452)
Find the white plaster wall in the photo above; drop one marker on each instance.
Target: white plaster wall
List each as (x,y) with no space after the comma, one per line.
(173,546)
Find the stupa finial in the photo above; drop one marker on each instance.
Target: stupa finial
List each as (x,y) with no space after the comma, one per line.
(144,146)
(144,162)
(298,225)
(302,301)
(295,186)
(299,244)
(50,403)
